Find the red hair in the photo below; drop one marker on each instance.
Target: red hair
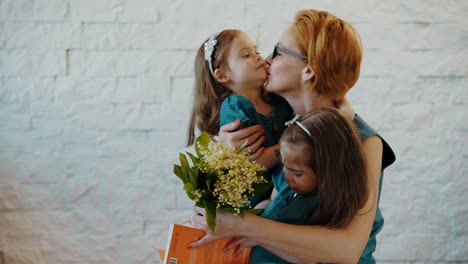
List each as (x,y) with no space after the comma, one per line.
(333,49)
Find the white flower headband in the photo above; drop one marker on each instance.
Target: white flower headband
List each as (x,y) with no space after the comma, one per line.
(295,120)
(209,48)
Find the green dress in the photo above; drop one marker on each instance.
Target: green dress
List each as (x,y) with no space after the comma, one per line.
(299,209)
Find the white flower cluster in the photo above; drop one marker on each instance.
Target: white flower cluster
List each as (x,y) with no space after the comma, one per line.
(236,174)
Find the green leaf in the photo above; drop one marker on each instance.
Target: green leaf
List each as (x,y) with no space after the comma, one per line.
(211,179)
(178,171)
(186,168)
(241,213)
(194,176)
(183,162)
(188,187)
(211,215)
(255,211)
(229,209)
(207,196)
(194,159)
(261,188)
(243,146)
(204,139)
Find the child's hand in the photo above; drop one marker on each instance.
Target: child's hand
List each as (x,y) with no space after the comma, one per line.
(270,157)
(346,108)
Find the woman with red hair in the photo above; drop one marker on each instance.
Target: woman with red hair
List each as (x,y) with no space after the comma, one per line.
(315,63)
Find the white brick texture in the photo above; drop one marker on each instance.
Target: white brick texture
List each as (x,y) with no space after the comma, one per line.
(95,98)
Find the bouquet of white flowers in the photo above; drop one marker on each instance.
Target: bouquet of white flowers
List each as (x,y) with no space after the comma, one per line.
(221,177)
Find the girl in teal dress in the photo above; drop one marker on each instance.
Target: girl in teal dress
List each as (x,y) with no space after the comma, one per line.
(229,77)
(320,151)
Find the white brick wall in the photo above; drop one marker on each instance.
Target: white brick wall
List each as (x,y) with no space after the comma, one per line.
(95,97)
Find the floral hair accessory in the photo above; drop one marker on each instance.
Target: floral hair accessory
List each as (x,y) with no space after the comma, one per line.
(295,120)
(209,48)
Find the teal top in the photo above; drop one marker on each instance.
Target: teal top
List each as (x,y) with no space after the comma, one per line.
(238,107)
(299,209)
(287,207)
(388,158)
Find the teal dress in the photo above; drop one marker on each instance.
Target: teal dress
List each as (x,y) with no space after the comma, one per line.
(299,209)
(287,207)
(238,107)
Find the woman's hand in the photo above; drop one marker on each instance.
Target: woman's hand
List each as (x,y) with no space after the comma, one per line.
(235,139)
(239,244)
(227,225)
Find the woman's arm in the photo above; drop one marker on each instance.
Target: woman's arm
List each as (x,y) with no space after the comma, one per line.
(312,243)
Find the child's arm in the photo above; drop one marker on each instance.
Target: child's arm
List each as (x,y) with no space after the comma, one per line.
(270,157)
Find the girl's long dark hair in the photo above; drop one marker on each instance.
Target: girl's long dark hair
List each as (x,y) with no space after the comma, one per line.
(334,153)
(209,94)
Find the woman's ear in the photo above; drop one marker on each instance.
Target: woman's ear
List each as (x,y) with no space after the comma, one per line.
(307,73)
(221,76)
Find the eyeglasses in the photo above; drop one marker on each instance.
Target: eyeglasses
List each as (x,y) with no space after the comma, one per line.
(278,49)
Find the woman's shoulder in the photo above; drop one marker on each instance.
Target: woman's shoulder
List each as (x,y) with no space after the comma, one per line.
(366,131)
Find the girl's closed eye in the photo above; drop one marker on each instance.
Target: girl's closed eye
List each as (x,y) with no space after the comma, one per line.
(248,54)
(297,174)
